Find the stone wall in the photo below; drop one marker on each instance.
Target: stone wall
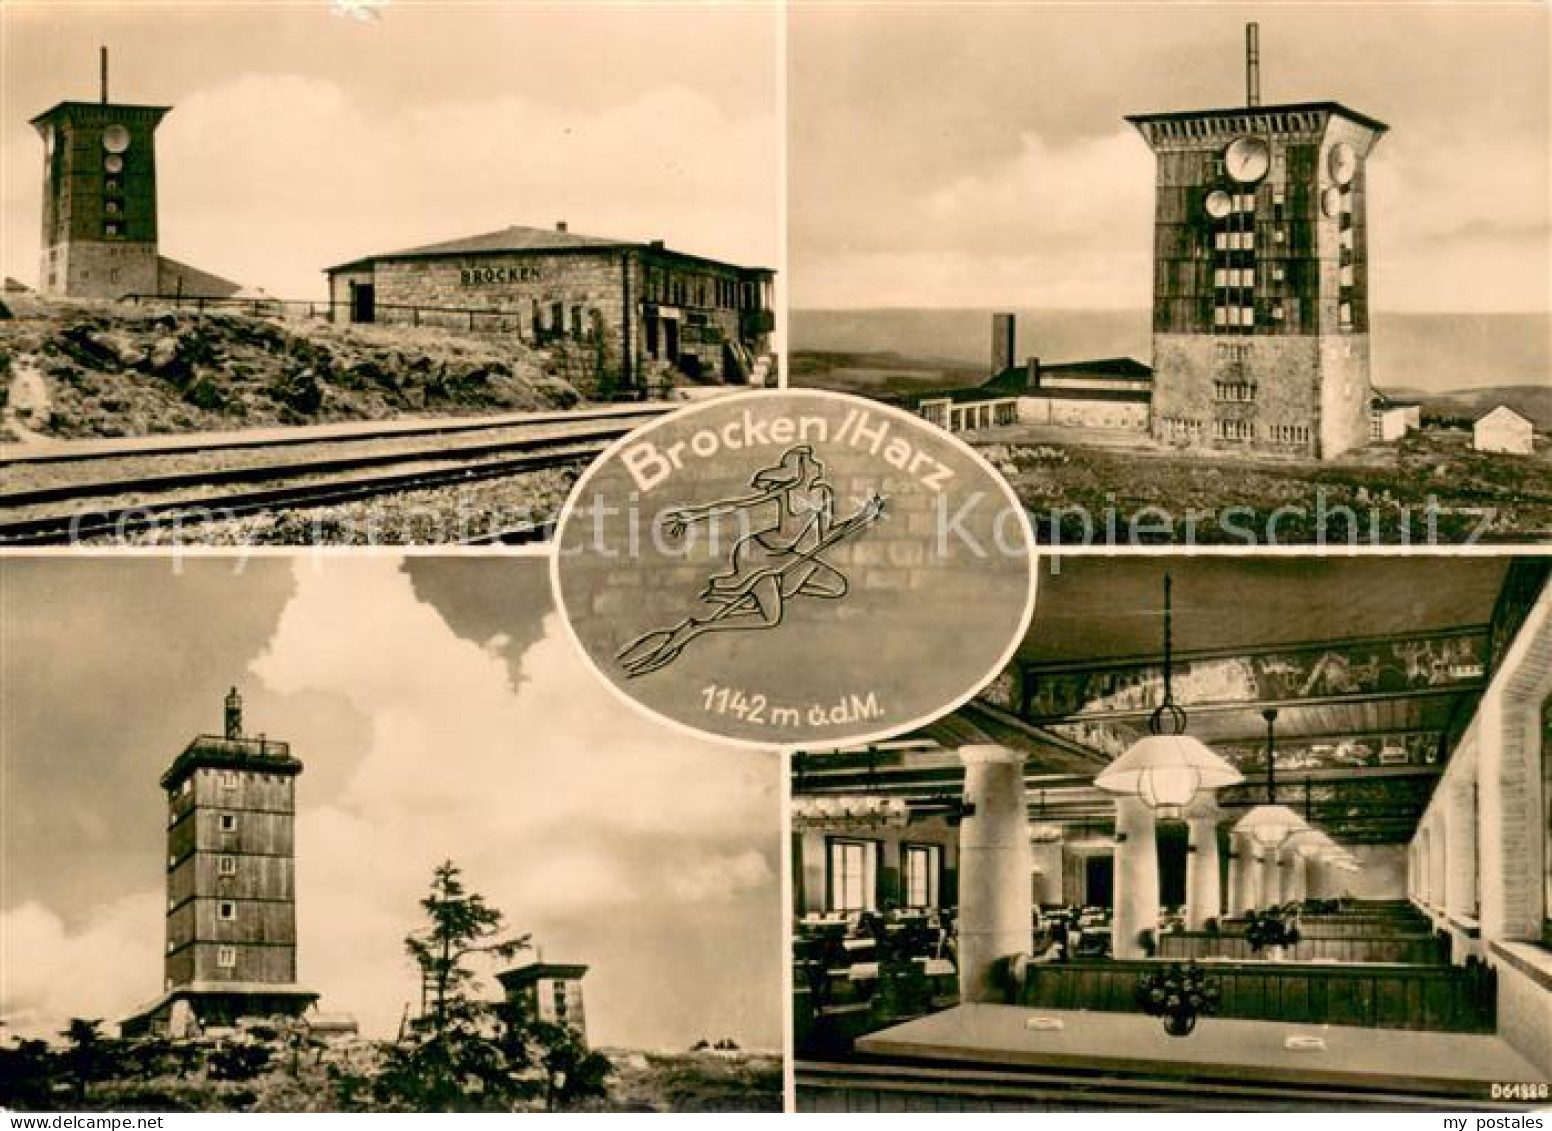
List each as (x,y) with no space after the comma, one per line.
(83,269)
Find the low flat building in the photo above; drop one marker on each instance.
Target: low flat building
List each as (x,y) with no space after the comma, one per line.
(1391,418)
(1112,393)
(641,314)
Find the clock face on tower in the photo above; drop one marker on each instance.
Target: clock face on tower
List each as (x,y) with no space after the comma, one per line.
(1331,202)
(1218,204)
(1247,159)
(115,139)
(1342,163)
(113,163)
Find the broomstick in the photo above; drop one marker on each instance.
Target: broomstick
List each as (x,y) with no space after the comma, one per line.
(660,655)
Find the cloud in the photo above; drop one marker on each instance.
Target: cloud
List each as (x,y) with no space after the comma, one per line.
(51,971)
(565,809)
(613,840)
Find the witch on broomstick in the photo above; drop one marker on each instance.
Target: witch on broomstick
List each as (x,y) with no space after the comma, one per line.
(791,515)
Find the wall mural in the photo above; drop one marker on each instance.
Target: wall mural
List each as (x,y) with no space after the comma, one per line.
(1311,673)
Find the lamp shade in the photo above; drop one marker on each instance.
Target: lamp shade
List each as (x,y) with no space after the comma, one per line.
(1270,825)
(1166,771)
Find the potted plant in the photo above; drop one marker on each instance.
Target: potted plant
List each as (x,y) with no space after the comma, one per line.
(1179,994)
(1272,930)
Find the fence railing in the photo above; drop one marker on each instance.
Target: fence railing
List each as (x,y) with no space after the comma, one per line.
(383,313)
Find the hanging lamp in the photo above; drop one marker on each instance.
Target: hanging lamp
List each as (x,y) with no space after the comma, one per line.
(1167,767)
(1270,824)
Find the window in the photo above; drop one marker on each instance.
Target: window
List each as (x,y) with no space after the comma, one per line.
(921,866)
(229,822)
(226,957)
(110,229)
(227,866)
(853,875)
(226,911)
(228,779)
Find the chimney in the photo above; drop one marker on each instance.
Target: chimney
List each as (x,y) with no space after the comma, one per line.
(1032,374)
(234,724)
(1252,64)
(1004,331)
(102,55)
(560,225)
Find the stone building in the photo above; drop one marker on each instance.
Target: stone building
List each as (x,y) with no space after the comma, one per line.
(100,237)
(231,885)
(642,313)
(1260,285)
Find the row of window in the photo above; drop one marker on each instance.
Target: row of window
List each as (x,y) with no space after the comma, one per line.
(1234,429)
(852,875)
(672,288)
(1234,391)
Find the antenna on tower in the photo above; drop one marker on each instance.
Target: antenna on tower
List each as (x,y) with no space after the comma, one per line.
(1252,64)
(103,57)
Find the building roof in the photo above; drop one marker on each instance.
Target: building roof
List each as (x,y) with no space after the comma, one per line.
(1503,411)
(1281,108)
(232,989)
(65,107)
(1013,382)
(519,239)
(520,976)
(208,750)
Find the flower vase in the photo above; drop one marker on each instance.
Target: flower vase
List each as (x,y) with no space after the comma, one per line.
(1274,953)
(1179,1024)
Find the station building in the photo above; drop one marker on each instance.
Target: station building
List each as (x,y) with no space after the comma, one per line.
(640,313)
(976,903)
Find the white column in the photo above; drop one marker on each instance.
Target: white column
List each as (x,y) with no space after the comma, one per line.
(1136,877)
(1461,843)
(1271,876)
(1204,891)
(994,868)
(1244,887)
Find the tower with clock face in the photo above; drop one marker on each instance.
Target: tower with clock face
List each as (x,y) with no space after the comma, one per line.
(1260,283)
(99,199)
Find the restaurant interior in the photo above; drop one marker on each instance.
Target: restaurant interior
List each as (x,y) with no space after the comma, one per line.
(1219,824)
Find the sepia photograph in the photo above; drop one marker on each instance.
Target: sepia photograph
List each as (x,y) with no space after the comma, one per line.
(1242,274)
(356,272)
(1228,834)
(363,834)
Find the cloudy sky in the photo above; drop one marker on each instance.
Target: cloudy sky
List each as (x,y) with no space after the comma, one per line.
(976,156)
(300,138)
(440,713)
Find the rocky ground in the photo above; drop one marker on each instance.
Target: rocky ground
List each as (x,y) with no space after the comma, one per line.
(110,369)
(1430,487)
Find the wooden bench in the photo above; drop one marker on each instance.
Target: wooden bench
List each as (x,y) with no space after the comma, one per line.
(1411,949)
(1377,996)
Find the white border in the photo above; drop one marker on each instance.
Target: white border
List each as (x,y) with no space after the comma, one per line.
(1031,555)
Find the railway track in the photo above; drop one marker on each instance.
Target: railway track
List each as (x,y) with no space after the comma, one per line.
(118,508)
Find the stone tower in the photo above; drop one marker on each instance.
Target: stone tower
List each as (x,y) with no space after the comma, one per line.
(99,197)
(231,884)
(1260,274)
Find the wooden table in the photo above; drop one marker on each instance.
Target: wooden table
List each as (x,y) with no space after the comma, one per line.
(1459,1064)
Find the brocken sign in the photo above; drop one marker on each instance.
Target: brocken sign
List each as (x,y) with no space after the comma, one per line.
(795,569)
